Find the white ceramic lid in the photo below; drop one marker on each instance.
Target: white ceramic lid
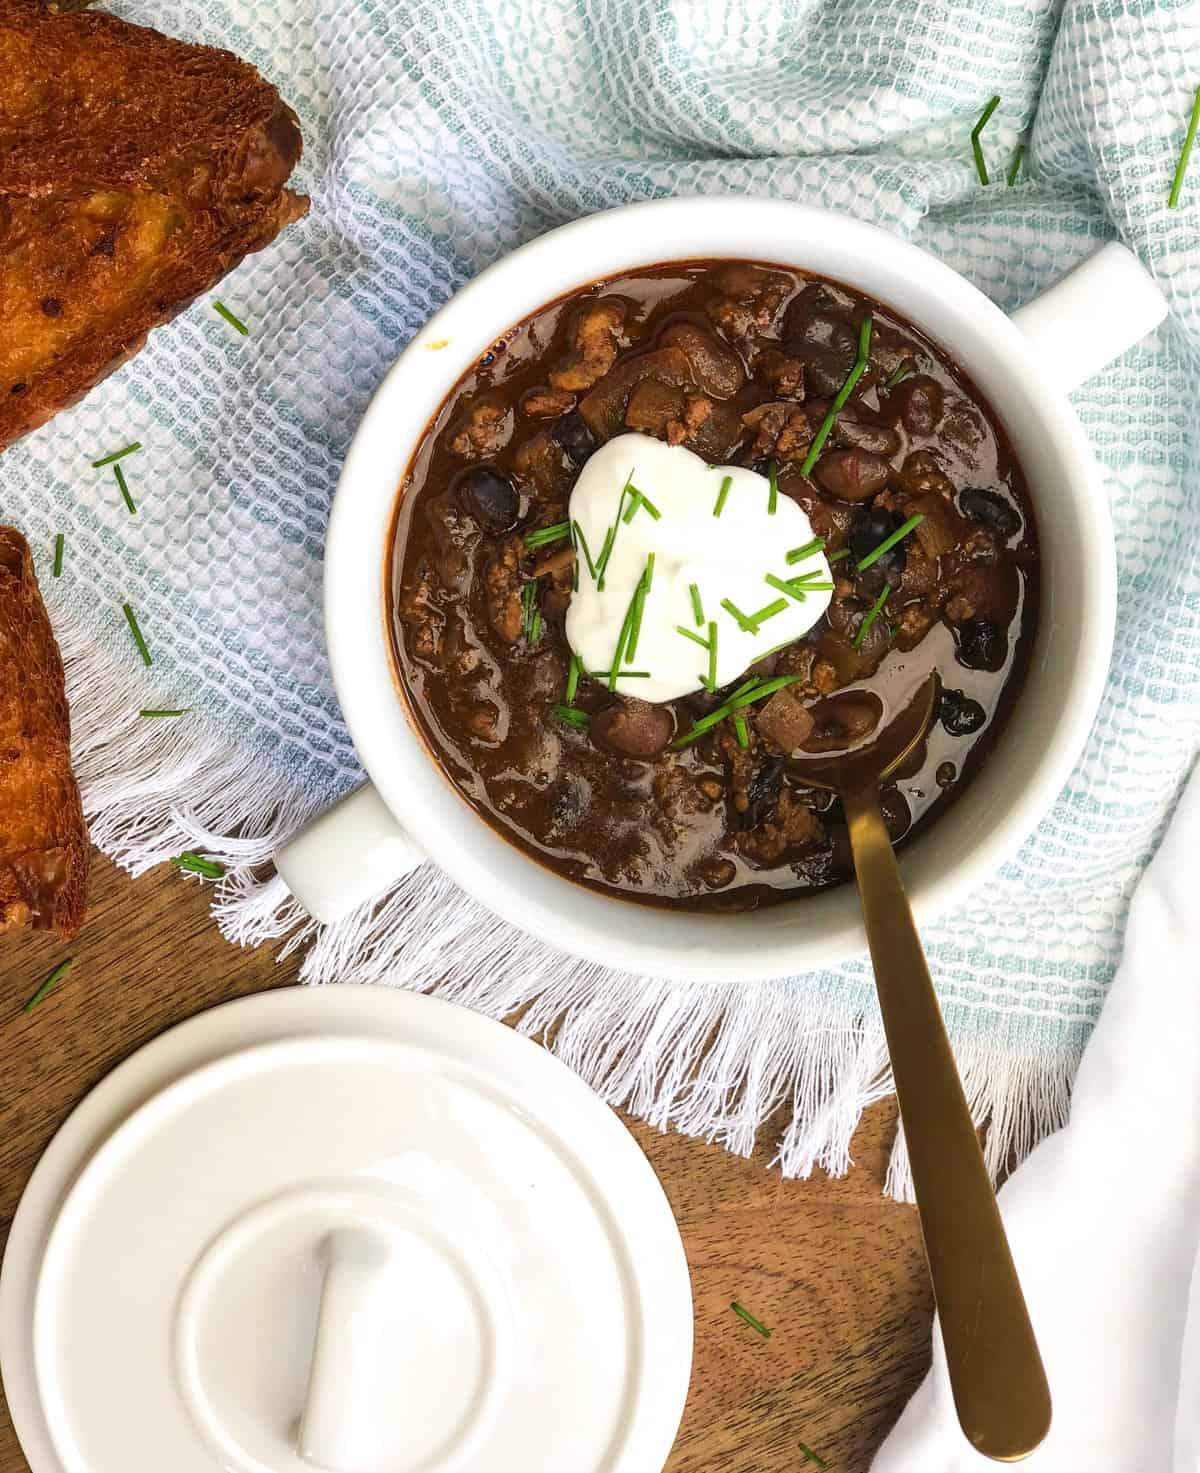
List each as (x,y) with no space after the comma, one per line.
(348,1229)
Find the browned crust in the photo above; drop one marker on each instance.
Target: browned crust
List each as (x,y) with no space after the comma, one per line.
(44,849)
(92,109)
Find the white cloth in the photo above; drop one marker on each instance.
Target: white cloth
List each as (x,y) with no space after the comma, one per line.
(1104,1217)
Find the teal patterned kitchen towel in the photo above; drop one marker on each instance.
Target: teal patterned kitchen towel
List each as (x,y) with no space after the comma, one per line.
(439,134)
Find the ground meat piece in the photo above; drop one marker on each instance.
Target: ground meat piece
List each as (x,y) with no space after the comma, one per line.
(979,546)
(417,609)
(593,345)
(959,608)
(483,721)
(782,430)
(920,573)
(716,368)
(743,766)
(555,562)
(784,720)
(697,411)
(633,728)
(824,677)
(482,432)
(922,471)
(542,467)
(544,403)
(502,580)
(455,537)
(677,795)
(790,828)
(916,620)
(750,302)
(780,374)
(717,873)
(653,406)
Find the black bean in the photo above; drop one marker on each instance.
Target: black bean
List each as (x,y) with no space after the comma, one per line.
(762,792)
(573,435)
(959,714)
(945,774)
(981,645)
(489,496)
(990,508)
(868,532)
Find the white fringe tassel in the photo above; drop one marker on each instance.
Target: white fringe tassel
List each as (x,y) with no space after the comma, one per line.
(711,1061)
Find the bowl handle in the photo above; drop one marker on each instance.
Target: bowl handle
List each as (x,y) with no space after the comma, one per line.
(347,855)
(1097,311)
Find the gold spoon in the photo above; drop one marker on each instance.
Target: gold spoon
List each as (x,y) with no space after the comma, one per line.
(996,1374)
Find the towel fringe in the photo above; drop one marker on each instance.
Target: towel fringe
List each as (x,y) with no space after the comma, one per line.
(716,1062)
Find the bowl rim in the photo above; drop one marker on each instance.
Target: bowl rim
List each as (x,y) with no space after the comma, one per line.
(357,616)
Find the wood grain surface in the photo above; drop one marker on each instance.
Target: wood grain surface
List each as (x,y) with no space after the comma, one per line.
(832,1268)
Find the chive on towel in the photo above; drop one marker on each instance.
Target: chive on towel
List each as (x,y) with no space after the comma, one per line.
(439,134)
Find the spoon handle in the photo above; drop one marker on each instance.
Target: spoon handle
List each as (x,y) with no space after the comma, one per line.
(996,1374)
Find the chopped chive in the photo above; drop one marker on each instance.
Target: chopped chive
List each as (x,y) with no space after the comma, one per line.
(689,634)
(621,674)
(697,606)
(804,580)
(739,726)
(572,680)
(745,623)
(852,378)
(889,542)
(531,620)
(773,608)
(639,605)
(571,715)
(773,491)
(610,537)
(131,620)
(721,495)
(871,615)
(196,864)
(899,375)
(59,544)
(976,146)
(838,556)
(182,711)
(788,588)
(712,657)
(799,554)
(116,455)
(1185,155)
(746,694)
(235,322)
(124,487)
(639,498)
(744,1314)
(581,541)
(812,1457)
(58,972)
(1014,169)
(548,534)
(623,638)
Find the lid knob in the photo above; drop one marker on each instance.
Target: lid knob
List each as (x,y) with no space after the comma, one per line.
(337,1421)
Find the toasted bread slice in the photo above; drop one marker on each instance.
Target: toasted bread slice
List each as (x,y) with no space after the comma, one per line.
(135,171)
(43,840)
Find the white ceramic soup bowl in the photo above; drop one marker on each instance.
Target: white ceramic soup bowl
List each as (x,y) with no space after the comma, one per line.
(1025,367)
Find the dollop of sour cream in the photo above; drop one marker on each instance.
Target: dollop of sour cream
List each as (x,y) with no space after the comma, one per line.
(714,542)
